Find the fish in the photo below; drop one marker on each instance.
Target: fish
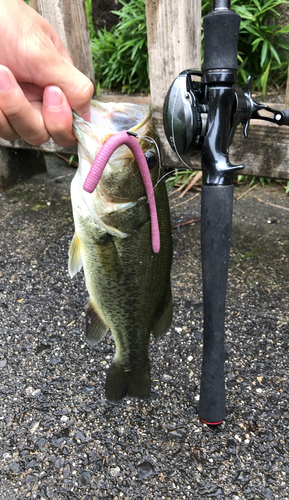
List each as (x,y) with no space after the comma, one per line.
(129,285)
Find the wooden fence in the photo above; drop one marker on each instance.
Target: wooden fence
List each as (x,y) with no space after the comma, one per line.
(174,41)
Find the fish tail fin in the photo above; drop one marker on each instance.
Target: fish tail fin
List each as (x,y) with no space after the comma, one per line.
(121,383)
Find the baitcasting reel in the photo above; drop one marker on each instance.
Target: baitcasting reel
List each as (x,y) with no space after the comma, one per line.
(186,108)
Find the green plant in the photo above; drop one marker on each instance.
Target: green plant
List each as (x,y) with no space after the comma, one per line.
(251,180)
(180,177)
(88,6)
(262,48)
(120,56)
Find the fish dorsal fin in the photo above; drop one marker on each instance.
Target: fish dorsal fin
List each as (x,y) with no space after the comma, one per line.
(95,326)
(75,259)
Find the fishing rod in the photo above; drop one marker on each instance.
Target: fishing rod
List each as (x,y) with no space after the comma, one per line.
(203,117)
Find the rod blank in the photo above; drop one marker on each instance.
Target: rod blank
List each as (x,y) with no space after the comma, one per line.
(221,4)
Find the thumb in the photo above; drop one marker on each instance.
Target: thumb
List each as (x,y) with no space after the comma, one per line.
(77,88)
(49,64)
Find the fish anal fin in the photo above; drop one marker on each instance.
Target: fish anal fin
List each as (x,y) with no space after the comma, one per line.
(95,326)
(121,383)
(75,259)
(163,322)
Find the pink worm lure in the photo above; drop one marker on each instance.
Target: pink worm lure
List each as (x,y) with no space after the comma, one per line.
(100,162)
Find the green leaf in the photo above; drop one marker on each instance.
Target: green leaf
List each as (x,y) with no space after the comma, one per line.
(257,4)
(264,78)
(285,29)
(284,45)
(264,53)
(274,54)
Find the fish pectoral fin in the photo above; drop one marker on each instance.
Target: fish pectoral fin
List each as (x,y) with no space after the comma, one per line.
(75,259)
(121,382)
(107,255)
(95,326)
(163,322)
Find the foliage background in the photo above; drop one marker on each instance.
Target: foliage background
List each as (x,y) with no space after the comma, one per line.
(121,55)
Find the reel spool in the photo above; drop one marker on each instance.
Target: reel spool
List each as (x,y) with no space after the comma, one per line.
(185,115)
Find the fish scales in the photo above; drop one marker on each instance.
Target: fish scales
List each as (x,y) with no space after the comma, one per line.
(128,284)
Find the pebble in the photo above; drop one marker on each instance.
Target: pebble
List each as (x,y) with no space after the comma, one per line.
(144,470)
(54,361)
(14,467)
(114,471)
(86,448)
(34,427)
(36,393)
(84,478)
(268,493)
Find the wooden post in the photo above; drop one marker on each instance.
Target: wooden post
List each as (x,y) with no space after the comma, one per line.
(69,20)
(174,44)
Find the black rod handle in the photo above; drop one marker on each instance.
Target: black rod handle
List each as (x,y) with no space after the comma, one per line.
(221,30)
(216,224)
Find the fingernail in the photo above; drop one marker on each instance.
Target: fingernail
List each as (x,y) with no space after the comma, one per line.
(4,80)
(53,97)
(87,116)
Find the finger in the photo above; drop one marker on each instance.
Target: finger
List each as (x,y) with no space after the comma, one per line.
(6,131)
(58,116)
(44,60)
(59,46)
(24,118)
(32,92)
(50,68)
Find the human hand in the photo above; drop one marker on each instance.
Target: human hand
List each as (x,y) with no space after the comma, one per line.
(38,83)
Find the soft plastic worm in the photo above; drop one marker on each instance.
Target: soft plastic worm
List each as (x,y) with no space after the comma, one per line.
(100,162)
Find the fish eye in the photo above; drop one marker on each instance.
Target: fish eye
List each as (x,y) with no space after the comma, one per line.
(151,159)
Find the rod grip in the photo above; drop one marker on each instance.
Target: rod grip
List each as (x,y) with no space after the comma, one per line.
(221,31)
(216,224)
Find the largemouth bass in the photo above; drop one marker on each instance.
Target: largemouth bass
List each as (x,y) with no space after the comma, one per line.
(128,284)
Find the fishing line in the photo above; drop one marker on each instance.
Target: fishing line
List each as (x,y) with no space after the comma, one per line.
(159,179)
(152,141)
(169,173)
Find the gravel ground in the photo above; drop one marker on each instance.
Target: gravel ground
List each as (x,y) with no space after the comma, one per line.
(60,438)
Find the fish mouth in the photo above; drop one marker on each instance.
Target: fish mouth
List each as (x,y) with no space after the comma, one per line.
(110,118)
(120,185)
